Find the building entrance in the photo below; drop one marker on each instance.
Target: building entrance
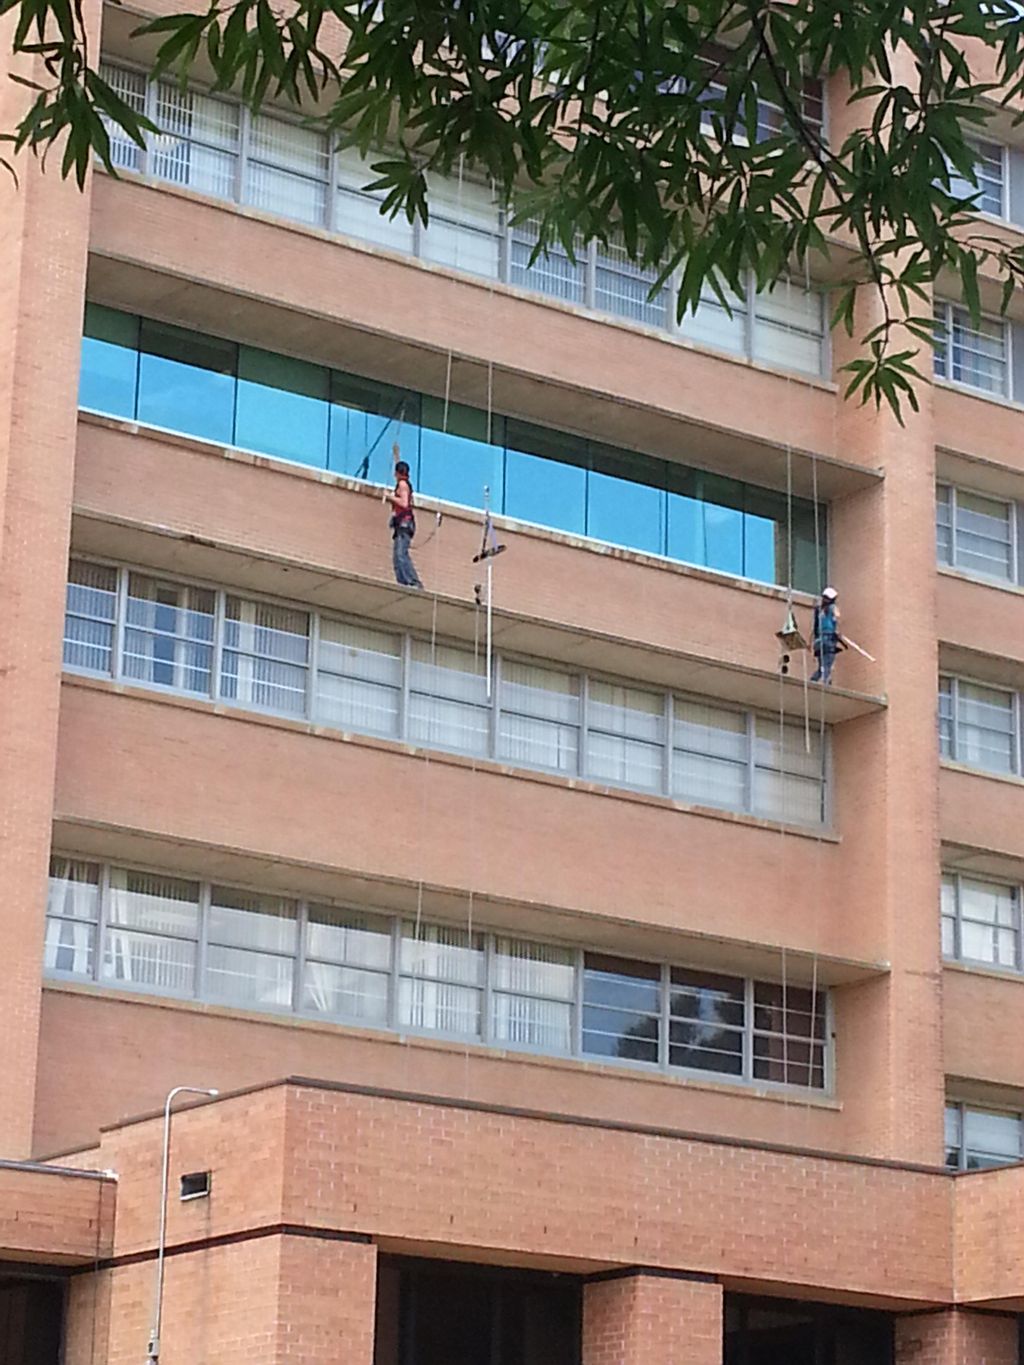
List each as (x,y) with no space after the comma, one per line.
(31,1320)
(776,1332)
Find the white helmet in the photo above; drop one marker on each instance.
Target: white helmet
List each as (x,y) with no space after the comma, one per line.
(829,594)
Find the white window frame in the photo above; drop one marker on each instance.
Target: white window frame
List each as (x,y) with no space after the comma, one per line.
(1014,575)
(1017,893)
(1017,712)
(947,308)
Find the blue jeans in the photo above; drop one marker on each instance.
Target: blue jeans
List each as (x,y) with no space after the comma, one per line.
(405,570)
(826,657)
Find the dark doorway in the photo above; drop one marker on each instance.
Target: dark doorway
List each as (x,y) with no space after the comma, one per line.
(31,1320)
(777,1332)
(444,1313)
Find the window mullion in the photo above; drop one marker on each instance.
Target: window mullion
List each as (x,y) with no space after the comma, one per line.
(486,1021)
(577,1006)
(312,665)
(205,898)
(669,722)
(393,975)
(748,1029)
(494,712)
(216,664)
(751,748)
(149,109)
(403,699)
(300,956)
(954,706)
(590,276)
(102,922)
(120,626)
(581,759)
(244,144)
(953,537)
(665,998)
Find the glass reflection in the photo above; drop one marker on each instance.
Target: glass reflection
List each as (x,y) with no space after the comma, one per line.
(282,407)
(186,382)
(456,461)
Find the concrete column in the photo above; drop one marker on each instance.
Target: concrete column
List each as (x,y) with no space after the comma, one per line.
(957,1337)
(652,1319)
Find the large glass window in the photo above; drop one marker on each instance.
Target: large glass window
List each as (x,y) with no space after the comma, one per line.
(441,973)
(169,631)
(464,230)
(72,917)
(152,931)
(110,362)
(134,929)
(981,921)
(625,735)
(125,154)
(89,617)
(198,143)
(277,405)
(621,1008)
(266,648)
(187,382)
(250,954)
(974,355)
(353,676)
(287,170)
(977,1138)
(988,194)
(975,533)
(348,963)
(978,725)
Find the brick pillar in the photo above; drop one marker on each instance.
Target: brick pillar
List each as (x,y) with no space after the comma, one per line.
(652,1319)
(327,1298)
(957,1337)
(43,247)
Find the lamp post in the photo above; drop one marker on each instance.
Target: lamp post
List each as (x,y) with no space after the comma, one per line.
(153,1352)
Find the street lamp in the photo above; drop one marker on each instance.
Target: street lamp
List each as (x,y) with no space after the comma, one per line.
(153,1353)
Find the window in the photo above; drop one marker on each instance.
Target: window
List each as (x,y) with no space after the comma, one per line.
(287,170)
(359,678)
(553,272)
(348,960)
(464,230)
(250,955)
(976,356)
(169,635)
(539,721)
(198,143)
(975,533)
(440,984)
(90,613)
(533,989)
(621,1008)
(125,154)
(789,1034)
(152,932)
(981,921)
(349,674)
(72,917)
(277,405)
(626,735)
(978,725)
(988,194)
(977,1139)
(134,929)
(789,328)
(706,1022)
(357,211)
(448,698)
(266,649)
(623,288)
(788,772)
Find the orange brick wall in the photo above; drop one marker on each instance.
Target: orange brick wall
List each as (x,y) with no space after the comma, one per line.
(647,1320)
(957,1338)
(54,1216)
(42,264)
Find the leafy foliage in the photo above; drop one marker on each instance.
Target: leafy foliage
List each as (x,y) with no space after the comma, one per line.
(686,132)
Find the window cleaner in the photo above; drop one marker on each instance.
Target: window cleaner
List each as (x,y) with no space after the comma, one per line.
(402,523)
(826,639)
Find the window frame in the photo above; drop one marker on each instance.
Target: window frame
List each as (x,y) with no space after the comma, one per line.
(1016,569)
(948,309)
(310,713)
(964,1107)
(1016,891)
(1017,715)
(490,935)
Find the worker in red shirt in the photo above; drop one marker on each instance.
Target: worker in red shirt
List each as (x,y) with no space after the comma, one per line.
(402,523)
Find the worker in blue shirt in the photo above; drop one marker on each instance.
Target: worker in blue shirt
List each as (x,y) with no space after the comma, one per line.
(826,640)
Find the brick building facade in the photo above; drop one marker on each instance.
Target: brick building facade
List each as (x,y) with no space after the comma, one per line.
(610,999)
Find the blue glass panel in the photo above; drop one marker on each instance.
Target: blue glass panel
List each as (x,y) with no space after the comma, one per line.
(623,505)
(109,362)
(456,463)
(759,549)
(685,516)
(810,559)
(282,407)
(546,478)
(367,418)
(723,522)
(187,382)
